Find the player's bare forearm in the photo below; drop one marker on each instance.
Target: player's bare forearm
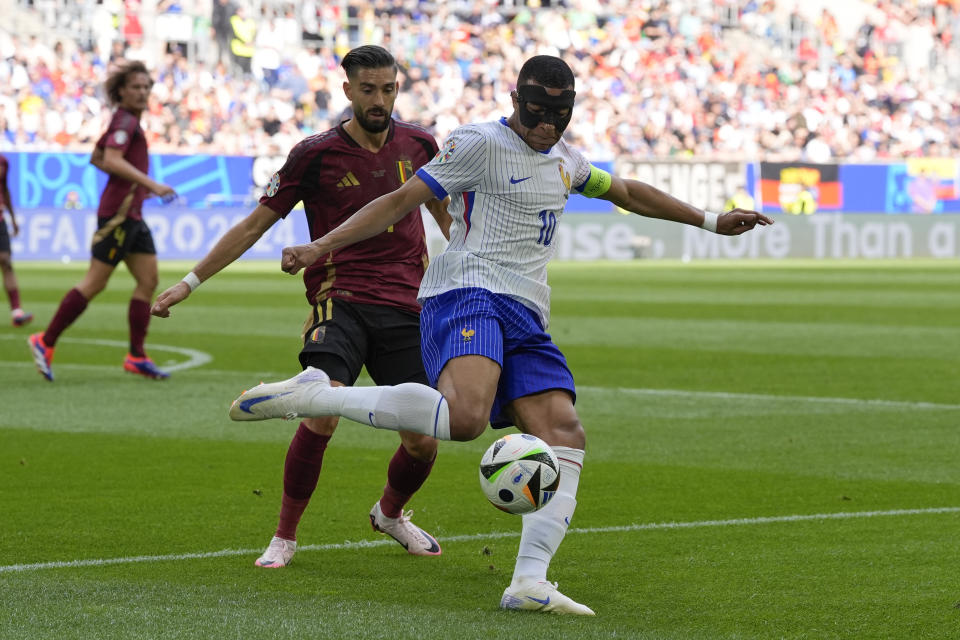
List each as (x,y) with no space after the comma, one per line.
(115,164)
(96,158)
(235,242)
(439,212)
(228,248)
(366,223)
(372,219)
(647,200)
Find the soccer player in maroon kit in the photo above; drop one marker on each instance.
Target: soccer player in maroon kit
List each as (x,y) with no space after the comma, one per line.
(18,316)
(122,234)
(364,307)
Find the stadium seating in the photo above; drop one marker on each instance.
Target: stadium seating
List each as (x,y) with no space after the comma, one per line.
(736,79)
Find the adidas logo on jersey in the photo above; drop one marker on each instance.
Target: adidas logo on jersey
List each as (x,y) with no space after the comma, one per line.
(348,180)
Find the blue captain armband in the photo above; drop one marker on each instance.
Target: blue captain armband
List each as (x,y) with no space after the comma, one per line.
(597,184)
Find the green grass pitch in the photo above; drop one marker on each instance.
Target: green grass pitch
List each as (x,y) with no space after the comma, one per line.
(772,453)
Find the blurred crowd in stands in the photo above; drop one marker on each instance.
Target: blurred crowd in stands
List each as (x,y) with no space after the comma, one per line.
(737,79)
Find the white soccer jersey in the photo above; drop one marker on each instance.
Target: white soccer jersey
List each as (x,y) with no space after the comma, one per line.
(506,203)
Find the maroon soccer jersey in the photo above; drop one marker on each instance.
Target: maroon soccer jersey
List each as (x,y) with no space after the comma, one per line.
(335,177)
(3,180)
(122,196)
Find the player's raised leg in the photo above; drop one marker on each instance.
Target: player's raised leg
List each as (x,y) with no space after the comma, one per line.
(411,406)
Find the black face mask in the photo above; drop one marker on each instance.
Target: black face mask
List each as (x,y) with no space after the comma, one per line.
(552,105)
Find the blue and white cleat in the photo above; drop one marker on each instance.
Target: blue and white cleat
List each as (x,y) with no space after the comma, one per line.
(42,355)
(285,399)
(21,318)
(411,537)
(540,595)
(143,366)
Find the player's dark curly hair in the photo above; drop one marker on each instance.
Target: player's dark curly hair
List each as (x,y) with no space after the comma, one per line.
(550,71)
(119,78)
(369,56)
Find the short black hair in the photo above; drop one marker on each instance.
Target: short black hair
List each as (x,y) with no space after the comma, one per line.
(369,56)
(550,71)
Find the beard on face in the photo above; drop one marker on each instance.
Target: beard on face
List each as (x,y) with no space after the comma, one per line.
(372,126)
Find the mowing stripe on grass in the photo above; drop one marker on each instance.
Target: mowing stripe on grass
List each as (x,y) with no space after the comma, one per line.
(360,544)
(199,358)
(725,395)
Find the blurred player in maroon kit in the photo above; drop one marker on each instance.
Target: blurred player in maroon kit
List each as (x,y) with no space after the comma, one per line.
(18,316)
(364,303)
(122,234)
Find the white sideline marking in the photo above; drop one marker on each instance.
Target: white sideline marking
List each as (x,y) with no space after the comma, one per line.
(360,544)
(195,357)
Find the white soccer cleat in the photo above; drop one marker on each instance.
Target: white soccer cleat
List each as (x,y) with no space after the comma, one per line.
(278,554)
(279,399)
(411,537)
(540,595)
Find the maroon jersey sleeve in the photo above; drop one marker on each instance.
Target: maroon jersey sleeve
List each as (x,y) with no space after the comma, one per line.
(120,133)
(3,184)
(283,192)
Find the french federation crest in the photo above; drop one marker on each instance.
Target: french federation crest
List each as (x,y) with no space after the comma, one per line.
(565,177)
(274,185)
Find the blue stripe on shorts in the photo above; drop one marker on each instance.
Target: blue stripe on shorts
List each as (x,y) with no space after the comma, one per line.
(474,321)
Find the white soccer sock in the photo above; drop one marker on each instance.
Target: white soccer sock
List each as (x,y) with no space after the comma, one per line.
(543,530)
(409,406)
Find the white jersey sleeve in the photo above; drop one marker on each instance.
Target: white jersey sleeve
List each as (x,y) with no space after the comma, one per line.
(459,165)
(506,203)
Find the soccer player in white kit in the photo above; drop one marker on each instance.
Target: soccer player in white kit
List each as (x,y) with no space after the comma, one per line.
(486,302)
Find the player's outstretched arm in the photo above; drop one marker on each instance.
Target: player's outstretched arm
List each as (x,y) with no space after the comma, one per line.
(372,219)
(231,246)
(112,161)
(646,200)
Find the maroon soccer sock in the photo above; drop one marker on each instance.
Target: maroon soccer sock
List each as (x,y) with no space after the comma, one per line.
(72,305)
(301,471)
(405,476)
(138,315)
(14,296)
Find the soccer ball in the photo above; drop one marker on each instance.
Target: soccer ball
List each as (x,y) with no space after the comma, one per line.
(519,473)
